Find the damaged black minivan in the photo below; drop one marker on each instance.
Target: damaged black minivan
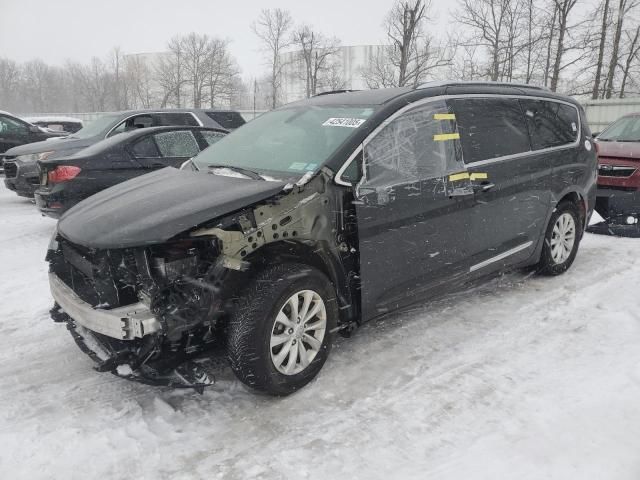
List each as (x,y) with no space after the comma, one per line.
(316,217)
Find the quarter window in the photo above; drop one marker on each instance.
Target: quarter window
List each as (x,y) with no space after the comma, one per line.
(145,148)
(551,124)
(490,128)
(177,144)
(419,145)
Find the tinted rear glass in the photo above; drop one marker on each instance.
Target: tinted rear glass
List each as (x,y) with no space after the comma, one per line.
(170,119)
(490,128)
(551,124)
(228,120)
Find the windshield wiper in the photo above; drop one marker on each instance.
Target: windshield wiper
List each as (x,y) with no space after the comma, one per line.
(243,171)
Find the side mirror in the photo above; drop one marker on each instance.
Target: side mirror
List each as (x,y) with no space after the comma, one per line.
(595,134)
(34,129)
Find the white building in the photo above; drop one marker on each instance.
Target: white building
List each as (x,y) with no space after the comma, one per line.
(348,63)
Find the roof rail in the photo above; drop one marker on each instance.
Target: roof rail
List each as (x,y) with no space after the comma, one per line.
(331,92)
(479,83)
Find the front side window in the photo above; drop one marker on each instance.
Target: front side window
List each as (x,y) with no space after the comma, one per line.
(10,125)
(551,124)
(177,144)
(490,128)
(418,145)
(290,141)
(627,129)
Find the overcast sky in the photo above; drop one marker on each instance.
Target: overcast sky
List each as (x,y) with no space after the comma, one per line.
(55,31)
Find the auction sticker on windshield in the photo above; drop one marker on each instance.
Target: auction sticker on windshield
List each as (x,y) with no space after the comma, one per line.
(344,122)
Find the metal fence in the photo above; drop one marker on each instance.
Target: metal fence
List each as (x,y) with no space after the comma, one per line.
(601,113)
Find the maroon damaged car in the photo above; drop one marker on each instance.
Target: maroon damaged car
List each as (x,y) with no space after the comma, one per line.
(618,200)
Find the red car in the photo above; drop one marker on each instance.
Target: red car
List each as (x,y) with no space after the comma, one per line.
(618,200)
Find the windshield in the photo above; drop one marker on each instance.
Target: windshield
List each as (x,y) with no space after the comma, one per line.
(291,141)
(97,126)
(627,129)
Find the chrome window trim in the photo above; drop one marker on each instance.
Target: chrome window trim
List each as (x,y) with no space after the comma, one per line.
(338,178)
(502,256)
(200,124)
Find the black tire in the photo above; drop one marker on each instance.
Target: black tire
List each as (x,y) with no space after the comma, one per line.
(547,265)
(252,320)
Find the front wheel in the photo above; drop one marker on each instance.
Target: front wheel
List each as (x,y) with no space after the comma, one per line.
(280,330)
(561,241)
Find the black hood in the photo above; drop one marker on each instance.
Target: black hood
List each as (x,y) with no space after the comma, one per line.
(62,146)
(155,207)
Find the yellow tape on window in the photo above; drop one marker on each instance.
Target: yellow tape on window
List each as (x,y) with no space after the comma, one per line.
(444,116)
(446,136)
(458,176)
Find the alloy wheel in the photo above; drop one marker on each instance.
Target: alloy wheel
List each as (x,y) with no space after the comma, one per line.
(563,238)
(298,332)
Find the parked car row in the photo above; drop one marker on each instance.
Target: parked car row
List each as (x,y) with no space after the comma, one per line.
(307,221)
(20,163)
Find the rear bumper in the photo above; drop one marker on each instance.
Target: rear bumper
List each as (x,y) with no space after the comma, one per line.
(123,323)
(50,204)
(26,180)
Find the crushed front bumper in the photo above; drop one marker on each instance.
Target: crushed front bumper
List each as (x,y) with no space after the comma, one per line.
(123,323)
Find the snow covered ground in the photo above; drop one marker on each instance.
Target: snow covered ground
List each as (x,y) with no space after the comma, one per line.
(525,377)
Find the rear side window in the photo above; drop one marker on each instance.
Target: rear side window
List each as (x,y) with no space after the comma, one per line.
(177,144)
(490,128)
(551,124)
(145,148)
(228,120)
(418,145)
(167,119)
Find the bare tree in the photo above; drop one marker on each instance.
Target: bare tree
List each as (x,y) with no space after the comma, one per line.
(222,73)
(563,9)
(197,50)
(119,84)
(9,82)
(624,7)
(488,20)
(412,55)
(272,27)
(633,55)
(603,40)
(316,52)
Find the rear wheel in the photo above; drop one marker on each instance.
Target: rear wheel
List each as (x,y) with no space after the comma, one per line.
(280,330)
(561,241)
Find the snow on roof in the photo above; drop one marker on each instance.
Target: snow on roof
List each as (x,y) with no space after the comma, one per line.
(51,119)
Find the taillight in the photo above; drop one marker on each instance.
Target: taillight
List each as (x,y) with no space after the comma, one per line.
(63,173)
(595,144)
